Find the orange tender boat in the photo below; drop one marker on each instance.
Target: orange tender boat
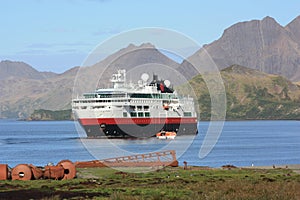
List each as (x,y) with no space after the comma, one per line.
(166,135)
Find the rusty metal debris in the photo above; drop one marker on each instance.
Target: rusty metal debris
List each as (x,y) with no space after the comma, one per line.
(69,169)
(163,158)
(66,169)
(21,172)
(3,171)
(54,172)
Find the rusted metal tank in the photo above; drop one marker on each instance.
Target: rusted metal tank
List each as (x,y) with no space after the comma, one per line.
(21,172)
(37,172)
(3,171)
(69,169)
(54,172)
(65,169)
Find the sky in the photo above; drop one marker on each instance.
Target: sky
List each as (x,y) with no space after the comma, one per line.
(56,35)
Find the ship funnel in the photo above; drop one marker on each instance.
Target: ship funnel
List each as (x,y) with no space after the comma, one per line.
(155,78)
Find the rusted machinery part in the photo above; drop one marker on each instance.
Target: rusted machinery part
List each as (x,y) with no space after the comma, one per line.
(163,158)
(141,164)
(54,172)
(3,172)
(173,164)
(21,172)
(9,173)
(37,172)
(70,169)
(89,164)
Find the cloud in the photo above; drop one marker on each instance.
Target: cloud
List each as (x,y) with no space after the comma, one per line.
(33,52)
(59,30)
(53,48)
(76,44)
(69,51)
(40,46)
(111,31)
(52,45)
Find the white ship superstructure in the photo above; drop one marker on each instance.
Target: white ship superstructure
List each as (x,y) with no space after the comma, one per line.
(135,110)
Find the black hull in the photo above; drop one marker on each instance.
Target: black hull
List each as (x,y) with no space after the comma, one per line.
(137,131)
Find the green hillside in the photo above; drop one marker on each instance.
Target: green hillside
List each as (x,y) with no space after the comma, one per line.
(251,95)
(42,114)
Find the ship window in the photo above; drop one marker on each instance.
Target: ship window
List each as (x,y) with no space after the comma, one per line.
(83,107)
(89,95)
(146,108)
(187,114)
(137,95)
(132,108)
(133,114)
(139,107)
(98,107)
(140,114)
(124,114)
(147,114)
(104,95)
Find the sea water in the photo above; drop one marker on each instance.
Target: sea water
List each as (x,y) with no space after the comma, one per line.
(241,143)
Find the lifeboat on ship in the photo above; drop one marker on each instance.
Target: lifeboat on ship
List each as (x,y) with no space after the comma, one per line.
(166,135)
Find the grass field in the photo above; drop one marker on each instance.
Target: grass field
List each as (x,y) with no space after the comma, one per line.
(167,183)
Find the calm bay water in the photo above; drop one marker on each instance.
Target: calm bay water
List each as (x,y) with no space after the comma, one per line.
(241,143)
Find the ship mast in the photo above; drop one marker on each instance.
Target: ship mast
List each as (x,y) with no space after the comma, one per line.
(119,79)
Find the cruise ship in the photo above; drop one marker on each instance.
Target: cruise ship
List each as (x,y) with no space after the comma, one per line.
(128,110)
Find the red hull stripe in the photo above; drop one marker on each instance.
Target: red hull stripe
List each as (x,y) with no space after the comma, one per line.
(112,121)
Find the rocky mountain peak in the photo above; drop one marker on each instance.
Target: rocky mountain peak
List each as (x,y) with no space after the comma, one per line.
(294,28)
(141,46)
(269,19)
(294,22)
(18,69)
(263,45)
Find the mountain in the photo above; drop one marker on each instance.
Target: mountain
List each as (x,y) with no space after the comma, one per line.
(263,45)
(24,89)
(251,94)
(10,69)
(293,28)
(136,60)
